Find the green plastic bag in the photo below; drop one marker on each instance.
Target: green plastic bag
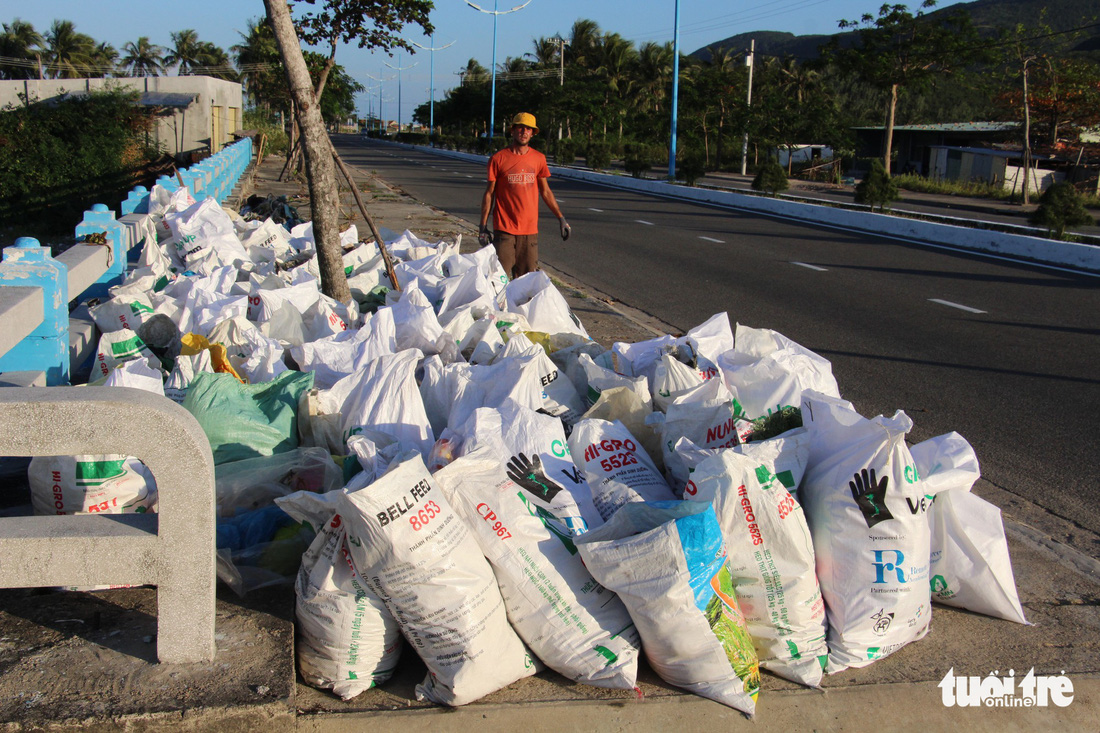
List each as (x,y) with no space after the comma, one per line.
(247,420)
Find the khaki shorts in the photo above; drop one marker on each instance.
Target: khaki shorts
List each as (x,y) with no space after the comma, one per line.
(518,253)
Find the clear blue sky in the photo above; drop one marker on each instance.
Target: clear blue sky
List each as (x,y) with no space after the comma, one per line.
(222,21)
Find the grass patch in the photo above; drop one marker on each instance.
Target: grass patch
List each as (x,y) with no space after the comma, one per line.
(975,189)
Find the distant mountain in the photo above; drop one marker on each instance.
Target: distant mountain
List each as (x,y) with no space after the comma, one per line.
(988,15)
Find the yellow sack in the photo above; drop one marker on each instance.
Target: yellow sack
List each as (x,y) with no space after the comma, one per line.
(193,343)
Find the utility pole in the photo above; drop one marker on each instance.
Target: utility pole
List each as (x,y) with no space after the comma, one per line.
(675,92)
(745,139)
(561,73)
(493,95)
(431,93)
(399,70)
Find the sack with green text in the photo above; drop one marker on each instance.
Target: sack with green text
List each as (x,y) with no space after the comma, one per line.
(347,641)
(667,561)
(571,622)
(866,508)
(418,555)
(771,556)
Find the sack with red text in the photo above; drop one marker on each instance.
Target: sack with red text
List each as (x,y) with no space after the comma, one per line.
(347,641)
(572,623)
(418,555)
(667,561)
(865,505)
(91,484)
(771,557)
(618,469)
(705,416)
(534,444)
(699,348)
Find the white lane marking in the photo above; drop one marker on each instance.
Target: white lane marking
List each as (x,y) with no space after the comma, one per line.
(598,211)
(810,267)
(712,239)
(469,176)
(949,304)
(643,221)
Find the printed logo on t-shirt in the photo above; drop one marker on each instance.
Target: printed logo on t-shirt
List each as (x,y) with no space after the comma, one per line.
(521,178)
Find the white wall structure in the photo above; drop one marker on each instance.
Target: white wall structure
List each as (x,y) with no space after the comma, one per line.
(200,111)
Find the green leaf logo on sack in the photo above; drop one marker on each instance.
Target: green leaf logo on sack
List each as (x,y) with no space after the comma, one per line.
(1005,692)
(870,496)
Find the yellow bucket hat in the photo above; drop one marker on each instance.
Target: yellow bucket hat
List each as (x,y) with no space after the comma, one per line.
(527,120)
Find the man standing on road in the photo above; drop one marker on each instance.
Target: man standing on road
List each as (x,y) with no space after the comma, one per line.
(517,178)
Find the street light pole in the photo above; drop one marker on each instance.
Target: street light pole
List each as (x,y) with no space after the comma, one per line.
(399,70)
(431,106)
(493,94)
(748,103)
(675,92)
(561,73)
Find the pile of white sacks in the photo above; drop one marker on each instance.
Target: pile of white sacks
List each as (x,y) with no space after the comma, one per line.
(465,469)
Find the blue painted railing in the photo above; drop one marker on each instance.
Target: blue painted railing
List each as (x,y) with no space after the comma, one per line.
(36,289)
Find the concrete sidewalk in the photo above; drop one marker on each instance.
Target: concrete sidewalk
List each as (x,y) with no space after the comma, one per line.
(87,660)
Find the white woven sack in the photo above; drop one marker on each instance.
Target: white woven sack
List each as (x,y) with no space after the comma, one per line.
(617,468)
(864,502)
(667,562)
(573,624)
(347,641)
(771,557)
(419,556)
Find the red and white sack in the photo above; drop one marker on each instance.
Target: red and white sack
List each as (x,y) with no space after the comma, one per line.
(617,468)
(699,347)
(571,622)
(91,484)
(523,437)
(420,557)
(347,641)
(866,507)
(771,556)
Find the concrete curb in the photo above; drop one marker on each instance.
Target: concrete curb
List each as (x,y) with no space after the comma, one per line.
(1021,247)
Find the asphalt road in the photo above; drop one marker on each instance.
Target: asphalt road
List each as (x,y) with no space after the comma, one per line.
(1004,354)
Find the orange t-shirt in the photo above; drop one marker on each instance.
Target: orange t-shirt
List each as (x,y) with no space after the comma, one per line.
(517,190)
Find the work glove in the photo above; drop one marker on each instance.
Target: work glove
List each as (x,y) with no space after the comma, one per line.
(484,236)
(565,229)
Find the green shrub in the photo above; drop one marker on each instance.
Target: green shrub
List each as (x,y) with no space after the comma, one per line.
(1061,206)
(691,168)
(57,160)
(267,124)
(877,188)
(771,178)
(598,155)
(566,153)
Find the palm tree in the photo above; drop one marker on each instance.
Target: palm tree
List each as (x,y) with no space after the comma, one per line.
(583,41)
(103,61)
(68,52)
(545,53)
(214,61)
(617,61)
(798,78)
(655,74)
(143,58)
(259,63)
(185,52)
(20,40)
(474,72)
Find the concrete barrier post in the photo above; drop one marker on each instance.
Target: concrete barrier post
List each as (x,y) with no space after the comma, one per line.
(102,219)
(172,549)
(28,264)
(137,201)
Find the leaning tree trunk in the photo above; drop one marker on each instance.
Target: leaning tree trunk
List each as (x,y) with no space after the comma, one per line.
(320,168)
(892,106)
